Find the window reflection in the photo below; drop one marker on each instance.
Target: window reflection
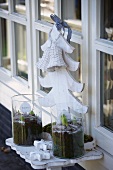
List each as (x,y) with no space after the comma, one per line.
(4,4)
(20,37)
(71,13)
(5,44)
(107,90)
(107,19)
(19,7)
(46,9)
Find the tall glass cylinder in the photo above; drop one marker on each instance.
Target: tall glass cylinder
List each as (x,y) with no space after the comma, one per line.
(26,119)
(67,134)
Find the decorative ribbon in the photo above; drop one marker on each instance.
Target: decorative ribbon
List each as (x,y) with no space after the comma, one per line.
(61,24)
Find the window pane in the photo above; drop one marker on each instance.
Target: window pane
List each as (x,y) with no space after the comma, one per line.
(19,7)
(106,90)
(43,38)
(107,19)
(5,44)
(71,13)
(4,4)
(20,37)
(46,9)
(76,56)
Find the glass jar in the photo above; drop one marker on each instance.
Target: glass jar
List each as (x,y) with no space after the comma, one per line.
(26,119)
(67,134)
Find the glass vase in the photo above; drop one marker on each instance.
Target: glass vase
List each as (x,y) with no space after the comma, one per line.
(67,134)
(26,119)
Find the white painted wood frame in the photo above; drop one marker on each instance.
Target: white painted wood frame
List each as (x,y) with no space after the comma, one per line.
(103,136)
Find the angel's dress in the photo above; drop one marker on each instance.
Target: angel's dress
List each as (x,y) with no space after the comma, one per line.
(54,49)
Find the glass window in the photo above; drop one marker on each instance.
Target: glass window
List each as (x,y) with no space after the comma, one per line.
(43,38)
(19,7)
(46,9)
(5,44)
(20,38)
(107,19)
(71,13)
(76,56)
(4,4)
(106,90)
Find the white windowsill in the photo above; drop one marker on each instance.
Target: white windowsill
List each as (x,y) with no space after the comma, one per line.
(11,86)
(104,139)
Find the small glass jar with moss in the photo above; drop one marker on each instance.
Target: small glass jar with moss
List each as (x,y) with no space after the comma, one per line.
(26,119)
(67,133)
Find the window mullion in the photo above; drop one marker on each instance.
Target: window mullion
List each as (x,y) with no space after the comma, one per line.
(11,6)
(18,19)
(104,49)
(94,65)
(43,26)
(58,7)
(85,60)
(36,44)
(77,38)
(98,6)
(4,14)
(29,45)
(0,44)
(36,9)
(12,41)
(36,57)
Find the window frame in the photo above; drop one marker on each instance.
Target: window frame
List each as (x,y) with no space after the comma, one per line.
(103,136)
(13,18)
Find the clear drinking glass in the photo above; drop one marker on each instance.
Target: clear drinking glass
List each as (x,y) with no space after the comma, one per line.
(67,134)
(26,119)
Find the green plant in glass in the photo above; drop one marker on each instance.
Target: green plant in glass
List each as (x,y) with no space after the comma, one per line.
(64,120)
